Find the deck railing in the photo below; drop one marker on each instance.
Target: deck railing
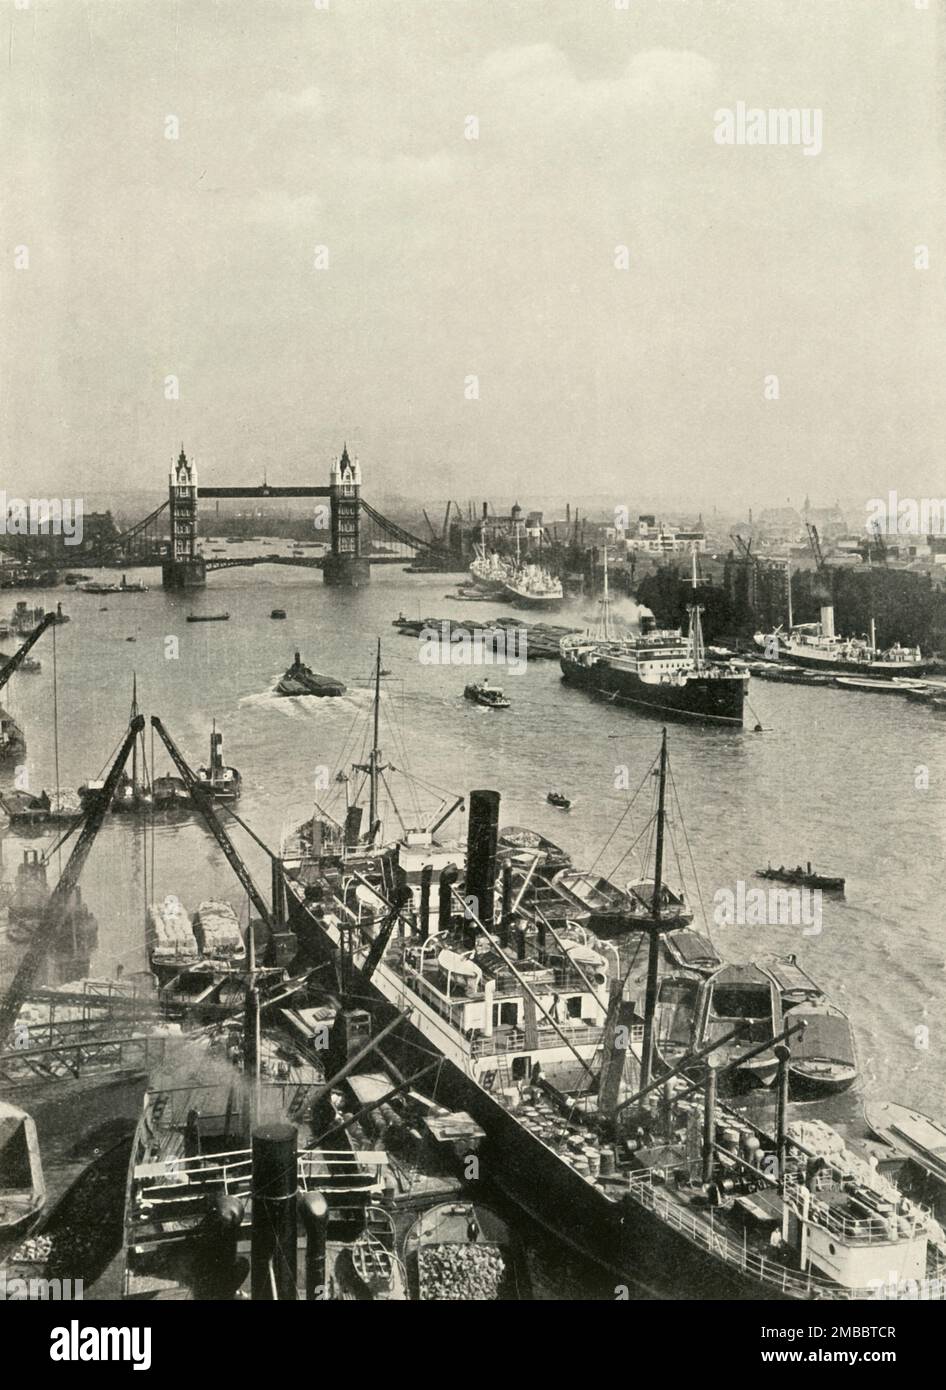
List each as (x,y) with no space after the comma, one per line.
(705,1234)
(170,1181)
(850,1229)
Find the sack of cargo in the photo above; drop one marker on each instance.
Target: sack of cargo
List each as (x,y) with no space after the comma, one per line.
(171,931)
(217,930)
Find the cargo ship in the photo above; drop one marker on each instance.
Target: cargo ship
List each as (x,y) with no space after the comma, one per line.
(489,572)
(560,1074)
(532,586)
(818,647)
(658,670)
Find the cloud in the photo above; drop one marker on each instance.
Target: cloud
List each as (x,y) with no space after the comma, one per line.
(308,101)
(406,171)
(539,76)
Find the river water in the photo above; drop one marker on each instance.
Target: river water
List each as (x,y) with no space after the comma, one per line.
(854,782)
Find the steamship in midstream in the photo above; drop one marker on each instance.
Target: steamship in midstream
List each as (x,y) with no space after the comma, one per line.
(538,1044)
(660,670)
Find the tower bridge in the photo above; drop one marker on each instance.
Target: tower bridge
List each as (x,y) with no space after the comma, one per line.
(357,534)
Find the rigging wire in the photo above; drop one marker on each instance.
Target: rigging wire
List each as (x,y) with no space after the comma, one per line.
(696,878)
(623,815)
(56,738)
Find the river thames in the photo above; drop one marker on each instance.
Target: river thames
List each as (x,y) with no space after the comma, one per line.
(855,782)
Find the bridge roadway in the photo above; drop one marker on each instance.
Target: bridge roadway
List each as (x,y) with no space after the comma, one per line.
(154,560)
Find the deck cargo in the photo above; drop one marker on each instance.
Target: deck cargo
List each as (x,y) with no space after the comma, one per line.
(171,930)
(218,931)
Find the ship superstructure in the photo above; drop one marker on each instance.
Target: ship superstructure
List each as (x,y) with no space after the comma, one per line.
(663,670)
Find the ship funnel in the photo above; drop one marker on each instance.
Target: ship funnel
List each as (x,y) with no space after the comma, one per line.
(827,620)
(448,878)
(482,835)
(313,1209)
(273,1247)
(647,621)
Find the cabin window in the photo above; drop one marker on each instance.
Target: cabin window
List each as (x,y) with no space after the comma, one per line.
(573,1006)
(521,1068)
(506,1014)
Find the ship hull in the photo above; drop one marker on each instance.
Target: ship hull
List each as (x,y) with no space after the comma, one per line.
(709,700)
(536,602)
(642,1253)
(876,670)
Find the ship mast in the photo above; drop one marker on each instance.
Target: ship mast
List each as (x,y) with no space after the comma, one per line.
(788,580)
(374,765)
(606,601)
(134,746)
(653,926)
(870,599)
(696,628)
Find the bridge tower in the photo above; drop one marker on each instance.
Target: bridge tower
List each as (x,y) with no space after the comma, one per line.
(184,568)
(346,566)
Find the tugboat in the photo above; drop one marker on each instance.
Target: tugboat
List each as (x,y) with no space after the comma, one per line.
(658,670)
(278,613)
(556,799)
(489,696)
(803,878)
(222,782)
(300,680)
(28,905)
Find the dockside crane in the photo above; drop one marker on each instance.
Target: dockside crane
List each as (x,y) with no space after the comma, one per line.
(815,543)
(203,800)
(89,825)
(11,667)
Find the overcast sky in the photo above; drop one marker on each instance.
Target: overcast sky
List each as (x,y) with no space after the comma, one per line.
(450,257)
